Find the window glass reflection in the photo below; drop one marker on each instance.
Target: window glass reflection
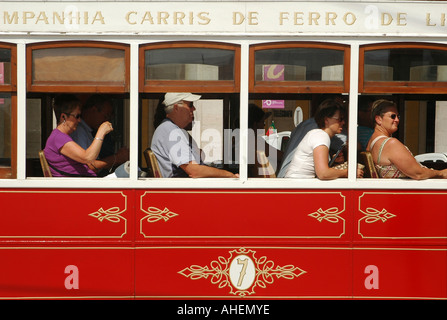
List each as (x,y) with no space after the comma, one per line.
(405,64)
(299,64)
(97,65)
(189,64)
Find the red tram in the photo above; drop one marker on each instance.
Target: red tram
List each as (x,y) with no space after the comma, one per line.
(252,237)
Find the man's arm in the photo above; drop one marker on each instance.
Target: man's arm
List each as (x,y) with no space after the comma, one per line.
(108,162)
(195,170)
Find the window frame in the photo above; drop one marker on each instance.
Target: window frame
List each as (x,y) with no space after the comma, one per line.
(398,87)
(221,86)
(75,86)
(300,86)
(11,172)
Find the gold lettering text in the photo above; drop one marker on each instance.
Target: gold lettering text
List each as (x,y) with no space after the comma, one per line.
(13,19)
(253,18)
(238,18)
(203,16)
(349,18)
(98,17)
(427,20)
(283,16)
(386,19)
(298,18)
(163,17)
(27,15)
(42,17)
(330,18)
(401,19)
(178,17)
(56,16)
(128,17)
(147,17)
(313,18)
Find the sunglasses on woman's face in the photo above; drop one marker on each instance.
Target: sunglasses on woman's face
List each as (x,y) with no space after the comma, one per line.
(340,119)
(394,116)
(77,116)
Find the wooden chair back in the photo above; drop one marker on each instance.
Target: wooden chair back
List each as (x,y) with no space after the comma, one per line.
(370,169)
(152,163)
(44,163)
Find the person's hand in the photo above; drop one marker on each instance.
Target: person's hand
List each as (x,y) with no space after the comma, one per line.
(104,129)
(340,159)
(359,172)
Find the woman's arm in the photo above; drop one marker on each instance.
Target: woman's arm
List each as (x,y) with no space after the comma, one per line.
(399,155)
(76,152)
(322,169)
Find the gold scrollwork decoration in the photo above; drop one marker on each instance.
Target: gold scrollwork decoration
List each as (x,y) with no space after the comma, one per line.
(374,215)
(219,272)
(154,214)
(330,215)
(111,214)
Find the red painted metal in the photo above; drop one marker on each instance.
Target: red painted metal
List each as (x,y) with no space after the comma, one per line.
(177,244)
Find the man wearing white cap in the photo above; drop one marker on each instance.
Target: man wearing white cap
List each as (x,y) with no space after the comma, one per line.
(177,153)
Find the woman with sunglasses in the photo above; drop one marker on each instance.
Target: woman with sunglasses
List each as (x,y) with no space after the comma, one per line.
(65,157)
(311,157)
(392,158)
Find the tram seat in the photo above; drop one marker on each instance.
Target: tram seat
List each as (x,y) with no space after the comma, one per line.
(44,163)
(367,160)
(264,167)
(152,163)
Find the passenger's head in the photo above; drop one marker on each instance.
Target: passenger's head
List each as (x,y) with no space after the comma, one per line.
(380,108)
(97,109)
(179,107)
(173,98)
(327,109)
(385,115)
(64,105)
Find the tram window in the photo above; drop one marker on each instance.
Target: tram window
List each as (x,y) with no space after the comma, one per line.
(5,130)
(203,64)
(190,67)
(406,64)
(422,124)
(421,127)
(299,64)
(299,67)
(403,68)
(91,65)
(214,129)
(78,67)
(270,124)
(41,122)
(272,133)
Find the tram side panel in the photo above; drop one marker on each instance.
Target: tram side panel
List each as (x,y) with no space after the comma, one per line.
(223,244)
(66,243)
(400,244)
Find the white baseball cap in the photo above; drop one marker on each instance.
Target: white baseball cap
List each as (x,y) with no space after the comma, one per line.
(173,97)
